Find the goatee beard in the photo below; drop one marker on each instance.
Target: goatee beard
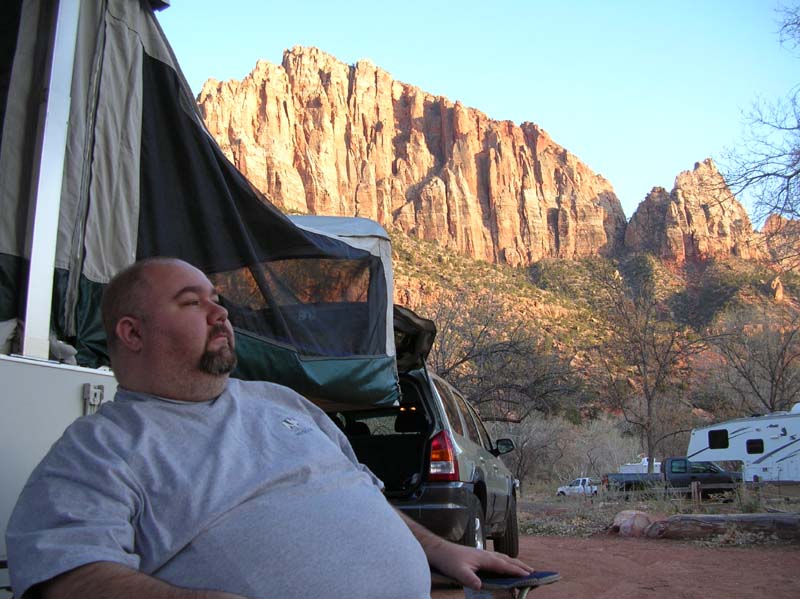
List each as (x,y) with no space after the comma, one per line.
(221,361)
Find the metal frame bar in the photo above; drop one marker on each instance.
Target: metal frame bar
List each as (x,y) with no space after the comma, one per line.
(46,195)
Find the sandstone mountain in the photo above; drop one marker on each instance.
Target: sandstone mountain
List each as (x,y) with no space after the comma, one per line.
(467,199)
(699,219)
(319,136)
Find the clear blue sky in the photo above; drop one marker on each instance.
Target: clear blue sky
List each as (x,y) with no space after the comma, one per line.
(638,90)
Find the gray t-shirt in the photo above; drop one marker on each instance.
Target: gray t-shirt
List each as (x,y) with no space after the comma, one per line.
(256,493)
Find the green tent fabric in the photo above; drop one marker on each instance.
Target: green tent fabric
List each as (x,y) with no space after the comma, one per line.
(143,177)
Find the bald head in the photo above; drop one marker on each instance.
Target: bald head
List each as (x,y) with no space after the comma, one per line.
(126,295)
(167,332)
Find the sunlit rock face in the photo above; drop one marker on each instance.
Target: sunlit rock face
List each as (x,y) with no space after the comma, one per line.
(699,219)
(323,137)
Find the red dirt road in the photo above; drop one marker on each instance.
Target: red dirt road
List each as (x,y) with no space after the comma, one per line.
(610,567)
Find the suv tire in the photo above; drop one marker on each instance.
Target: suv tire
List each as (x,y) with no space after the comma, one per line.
(475,534)
(508,542)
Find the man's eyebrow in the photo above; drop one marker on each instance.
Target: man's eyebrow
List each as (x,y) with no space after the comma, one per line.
(199,289)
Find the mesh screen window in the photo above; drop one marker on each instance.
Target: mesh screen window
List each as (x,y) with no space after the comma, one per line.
(320,306)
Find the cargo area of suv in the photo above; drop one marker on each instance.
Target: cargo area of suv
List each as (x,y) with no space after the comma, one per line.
(391,441)
(438,463)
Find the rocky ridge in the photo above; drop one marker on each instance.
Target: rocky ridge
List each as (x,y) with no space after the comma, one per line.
(698,220)
(319,136)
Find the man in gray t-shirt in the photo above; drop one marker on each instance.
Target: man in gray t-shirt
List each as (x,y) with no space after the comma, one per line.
(191,484)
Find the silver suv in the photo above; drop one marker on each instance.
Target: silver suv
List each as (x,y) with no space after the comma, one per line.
(439,464)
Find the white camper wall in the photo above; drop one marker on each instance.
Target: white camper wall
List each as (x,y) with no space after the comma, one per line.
(38,401)
(778,457)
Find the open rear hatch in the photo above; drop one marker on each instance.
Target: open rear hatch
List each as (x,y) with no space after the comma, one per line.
(393,440)
(413,339)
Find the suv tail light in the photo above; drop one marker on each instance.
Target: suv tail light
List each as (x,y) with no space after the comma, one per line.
(444,466)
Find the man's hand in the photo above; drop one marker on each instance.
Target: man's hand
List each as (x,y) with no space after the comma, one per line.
(459,562)
(102,580)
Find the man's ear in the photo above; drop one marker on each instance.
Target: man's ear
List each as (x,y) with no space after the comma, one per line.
(129,333)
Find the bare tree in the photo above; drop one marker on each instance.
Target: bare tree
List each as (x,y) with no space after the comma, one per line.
(542,445)
(762,358)
(646,357)
(790,27)
(601,446)
(550,448)
(500,365)
(767,162)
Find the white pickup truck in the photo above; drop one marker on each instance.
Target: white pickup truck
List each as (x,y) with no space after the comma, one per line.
(579,486)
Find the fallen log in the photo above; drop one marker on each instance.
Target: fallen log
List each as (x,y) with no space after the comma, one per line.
(783,526)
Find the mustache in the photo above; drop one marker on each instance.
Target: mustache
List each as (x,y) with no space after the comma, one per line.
(219,329)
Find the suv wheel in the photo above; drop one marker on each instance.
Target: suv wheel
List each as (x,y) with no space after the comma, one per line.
(508,542)
(475,535)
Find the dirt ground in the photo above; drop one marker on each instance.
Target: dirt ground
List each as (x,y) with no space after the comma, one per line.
(607,566)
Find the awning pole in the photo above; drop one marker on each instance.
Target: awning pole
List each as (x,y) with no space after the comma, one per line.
(46,194)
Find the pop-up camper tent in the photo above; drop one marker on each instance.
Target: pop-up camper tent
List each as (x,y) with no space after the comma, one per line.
(106,160)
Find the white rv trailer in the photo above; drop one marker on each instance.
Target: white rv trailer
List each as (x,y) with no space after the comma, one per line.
(768,446)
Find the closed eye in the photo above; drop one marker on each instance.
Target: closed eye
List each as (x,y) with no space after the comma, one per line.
(196,295)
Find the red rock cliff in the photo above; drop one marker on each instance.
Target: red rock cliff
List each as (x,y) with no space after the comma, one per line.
(319,136)
(698,220)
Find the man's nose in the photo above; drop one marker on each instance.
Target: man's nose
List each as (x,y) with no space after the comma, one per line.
(217,313)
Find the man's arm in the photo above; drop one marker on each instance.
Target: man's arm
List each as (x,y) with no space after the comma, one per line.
(460,562)
(107,580)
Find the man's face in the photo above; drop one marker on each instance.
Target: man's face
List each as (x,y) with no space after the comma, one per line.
(184,327)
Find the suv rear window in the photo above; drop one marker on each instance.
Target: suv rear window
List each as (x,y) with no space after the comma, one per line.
(472,429)
(450,408)
(485,438)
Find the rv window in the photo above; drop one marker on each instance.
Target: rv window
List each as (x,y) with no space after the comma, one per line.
(755,446)
(718,439)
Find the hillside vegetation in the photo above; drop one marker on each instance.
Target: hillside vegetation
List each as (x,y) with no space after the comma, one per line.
(629,354)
